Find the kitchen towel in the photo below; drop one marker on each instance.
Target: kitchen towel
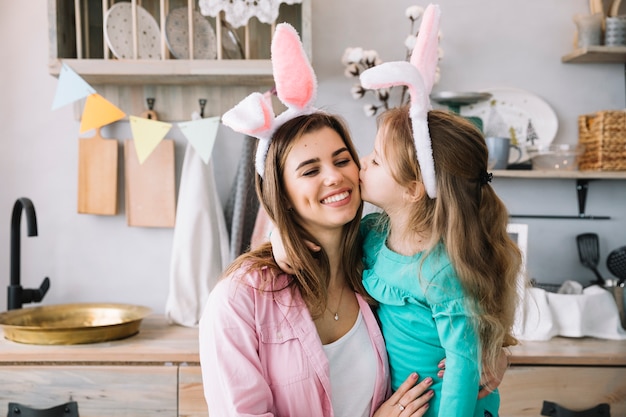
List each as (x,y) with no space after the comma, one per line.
(593,313)
(242,205)
(200,246)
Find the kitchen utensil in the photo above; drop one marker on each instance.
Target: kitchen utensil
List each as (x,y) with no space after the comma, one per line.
(177,35)
(616,263)
(118,32)
(454,101)
(589,253)
(70,324)
(97,175)
(231,45)
(150,187)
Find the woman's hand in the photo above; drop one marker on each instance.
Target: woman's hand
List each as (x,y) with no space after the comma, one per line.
(411,399)
(489,381)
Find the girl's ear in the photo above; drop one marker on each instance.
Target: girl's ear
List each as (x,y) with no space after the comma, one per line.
(414,192)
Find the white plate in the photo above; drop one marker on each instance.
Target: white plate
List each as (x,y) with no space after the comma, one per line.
(118,32)
(510,112)
(177,35)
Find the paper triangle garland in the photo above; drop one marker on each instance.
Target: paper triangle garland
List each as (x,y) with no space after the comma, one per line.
(70,88)
(201,135)
(147,135)
(99,112)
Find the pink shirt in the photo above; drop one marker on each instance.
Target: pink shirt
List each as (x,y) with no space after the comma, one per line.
(261,354)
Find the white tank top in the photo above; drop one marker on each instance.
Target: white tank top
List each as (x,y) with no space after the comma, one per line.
(352,372)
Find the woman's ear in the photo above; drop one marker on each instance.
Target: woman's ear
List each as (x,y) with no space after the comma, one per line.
(414,192)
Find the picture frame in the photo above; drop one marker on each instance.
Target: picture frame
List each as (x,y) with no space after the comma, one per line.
(519,234)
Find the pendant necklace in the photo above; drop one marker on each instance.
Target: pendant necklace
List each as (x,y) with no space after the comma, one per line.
(336,314)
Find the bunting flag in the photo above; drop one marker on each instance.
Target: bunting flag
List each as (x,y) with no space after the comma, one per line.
(201,135)
(99,112)
(70,88)
(147,134)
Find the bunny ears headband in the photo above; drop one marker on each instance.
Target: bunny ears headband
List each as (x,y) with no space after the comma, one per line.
(296,87)
(419,76)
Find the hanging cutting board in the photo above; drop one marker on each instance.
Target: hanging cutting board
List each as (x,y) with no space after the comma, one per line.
(97,175)
(150,187)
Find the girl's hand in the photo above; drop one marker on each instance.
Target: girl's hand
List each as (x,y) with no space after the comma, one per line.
(280,255)
(489,381)
(411,399)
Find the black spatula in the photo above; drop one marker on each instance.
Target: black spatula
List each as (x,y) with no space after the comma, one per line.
(589,252)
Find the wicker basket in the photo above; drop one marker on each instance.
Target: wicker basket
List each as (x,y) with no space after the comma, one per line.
(604,136)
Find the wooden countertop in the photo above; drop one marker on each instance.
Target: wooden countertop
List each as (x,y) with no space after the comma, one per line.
(570,351)
(161,343)
(156,343)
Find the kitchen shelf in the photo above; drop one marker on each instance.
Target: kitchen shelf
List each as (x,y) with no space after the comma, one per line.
(582,185)
(614,54)
(250,72)
(549,174)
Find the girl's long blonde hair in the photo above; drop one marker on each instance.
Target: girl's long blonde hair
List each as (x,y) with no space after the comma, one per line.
(313,269)
(467,216)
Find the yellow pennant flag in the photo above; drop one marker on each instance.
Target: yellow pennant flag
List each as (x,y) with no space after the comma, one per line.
(99,112)
(147,135)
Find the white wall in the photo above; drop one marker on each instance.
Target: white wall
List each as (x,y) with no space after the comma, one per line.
(487,43)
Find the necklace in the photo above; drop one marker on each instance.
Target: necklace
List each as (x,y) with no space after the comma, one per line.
(336,313)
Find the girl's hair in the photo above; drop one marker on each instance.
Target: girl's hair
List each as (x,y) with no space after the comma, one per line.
(467,216)
(313,269)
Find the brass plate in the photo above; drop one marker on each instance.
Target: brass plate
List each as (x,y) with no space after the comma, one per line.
(72,324)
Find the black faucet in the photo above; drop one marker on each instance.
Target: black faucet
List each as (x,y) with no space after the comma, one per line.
(16,294)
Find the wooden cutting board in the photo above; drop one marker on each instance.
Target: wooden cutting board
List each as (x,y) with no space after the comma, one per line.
(150,187)
(97,175)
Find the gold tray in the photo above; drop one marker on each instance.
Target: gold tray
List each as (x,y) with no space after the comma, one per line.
(72,324)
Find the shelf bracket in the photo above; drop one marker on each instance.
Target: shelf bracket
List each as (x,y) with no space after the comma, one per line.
(581,190)
(582,185)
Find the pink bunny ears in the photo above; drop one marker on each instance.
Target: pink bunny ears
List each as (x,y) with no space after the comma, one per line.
(419,76)
(296,87)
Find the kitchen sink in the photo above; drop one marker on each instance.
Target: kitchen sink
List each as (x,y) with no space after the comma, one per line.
(71,324)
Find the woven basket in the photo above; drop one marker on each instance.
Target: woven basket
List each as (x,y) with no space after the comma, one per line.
(604,136)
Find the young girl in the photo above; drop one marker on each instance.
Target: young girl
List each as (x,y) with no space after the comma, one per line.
(438,259)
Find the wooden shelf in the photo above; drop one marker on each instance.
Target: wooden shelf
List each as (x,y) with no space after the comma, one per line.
(253,72)
(543,174)
(615,54)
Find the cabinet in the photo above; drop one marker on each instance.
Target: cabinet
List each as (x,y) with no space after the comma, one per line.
(154,373)
(577,374)
(76,39)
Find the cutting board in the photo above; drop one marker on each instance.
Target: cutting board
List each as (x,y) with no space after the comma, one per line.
(97,175)
(150,187)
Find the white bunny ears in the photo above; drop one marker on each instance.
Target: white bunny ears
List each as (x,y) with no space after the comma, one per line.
(419,76)
(296,87)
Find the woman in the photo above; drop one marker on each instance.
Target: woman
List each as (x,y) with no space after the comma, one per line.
(305,344)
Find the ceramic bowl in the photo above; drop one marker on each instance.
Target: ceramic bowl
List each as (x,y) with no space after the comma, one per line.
(560,157)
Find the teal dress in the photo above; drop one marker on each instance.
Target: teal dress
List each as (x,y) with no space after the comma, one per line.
(424,318)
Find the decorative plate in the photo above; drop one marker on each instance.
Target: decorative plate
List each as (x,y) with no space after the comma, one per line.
(118,32)
(517,114)
(177,35)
